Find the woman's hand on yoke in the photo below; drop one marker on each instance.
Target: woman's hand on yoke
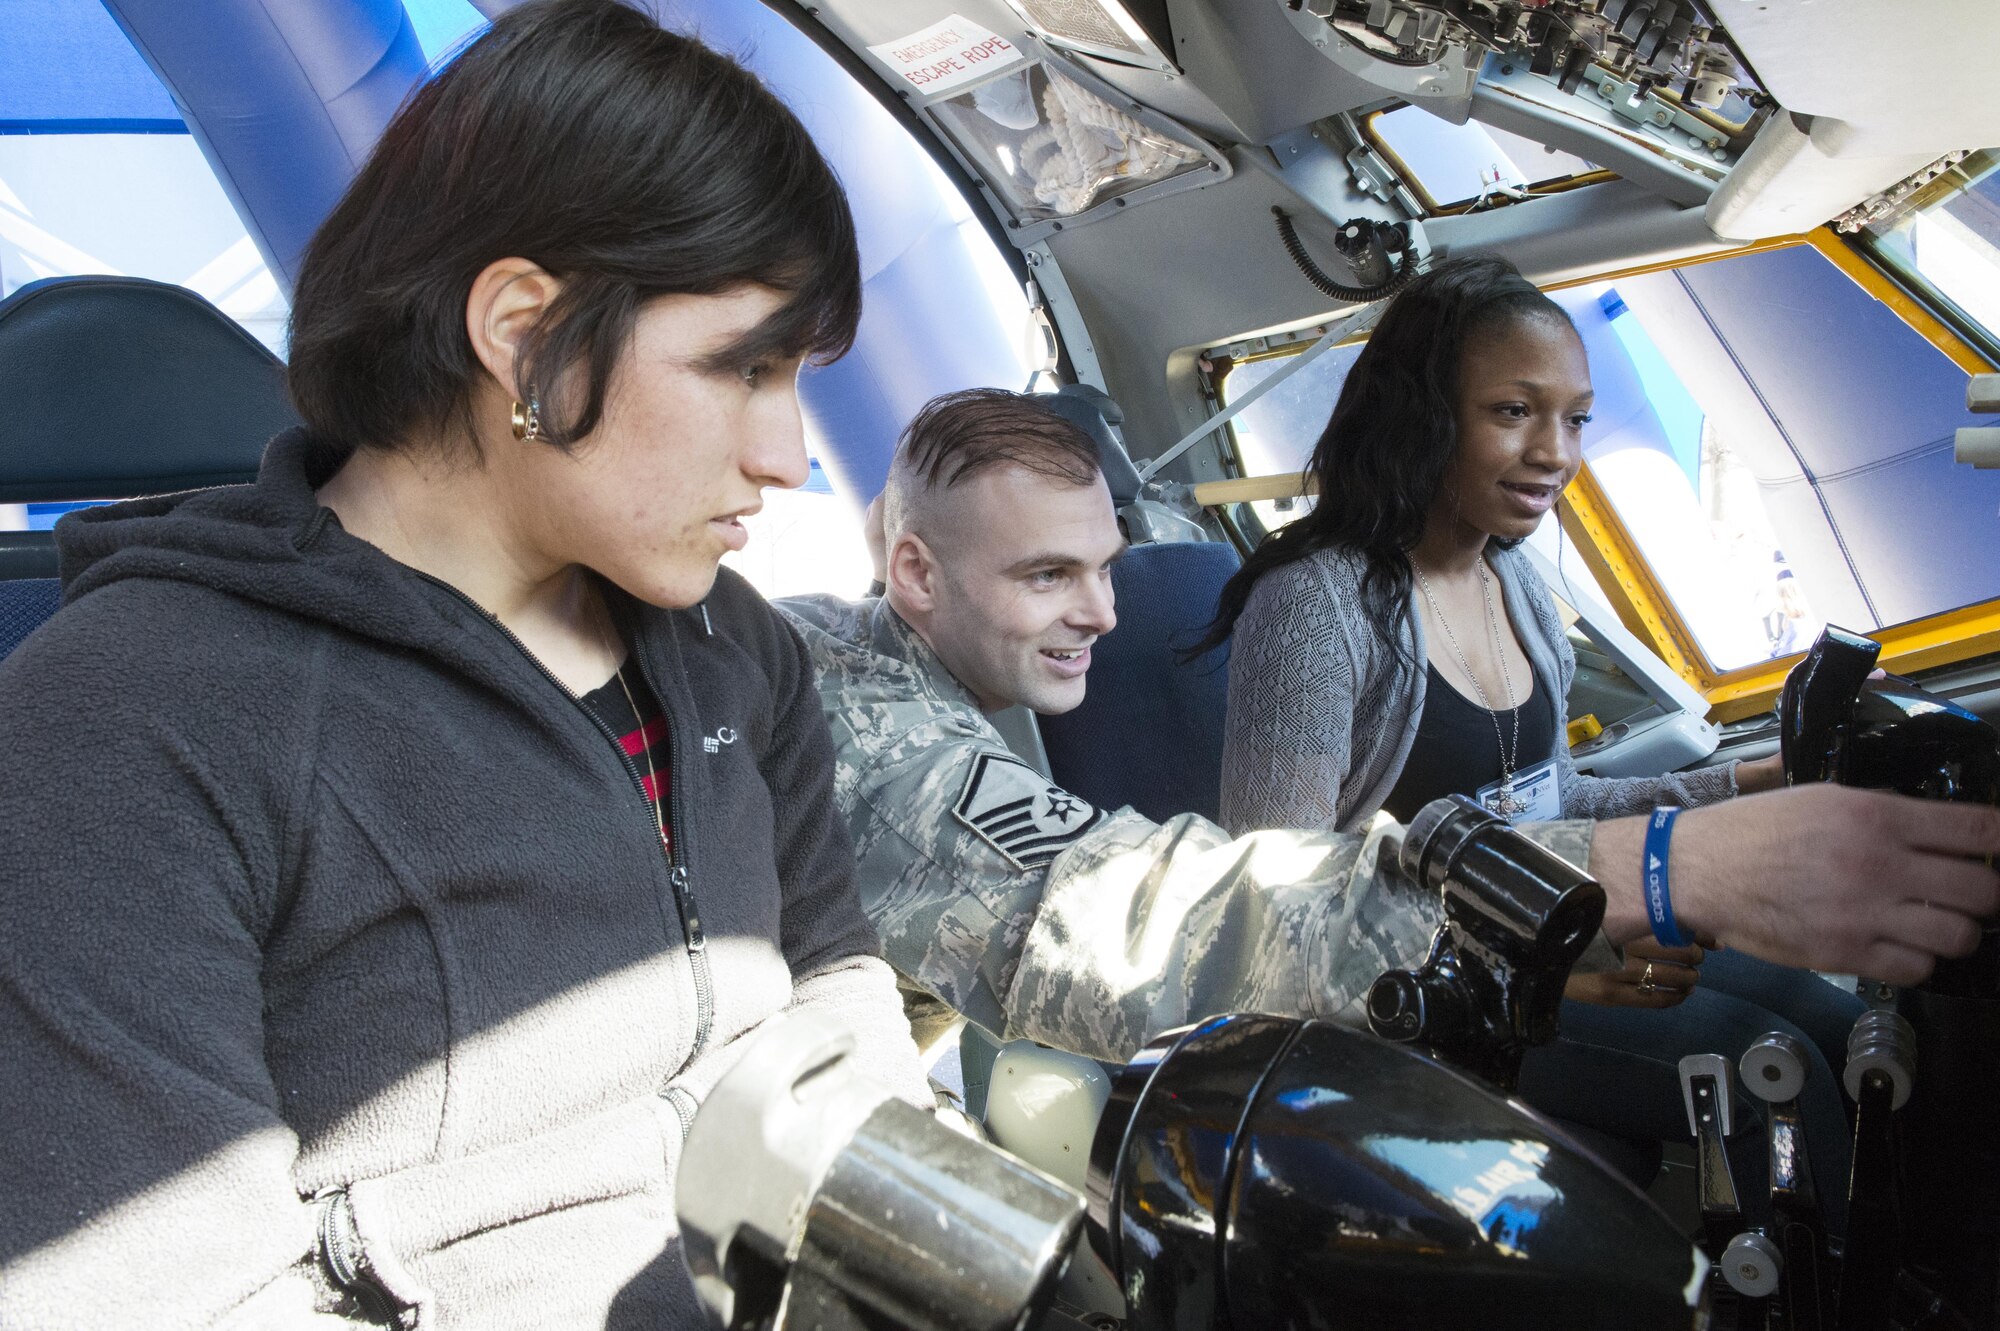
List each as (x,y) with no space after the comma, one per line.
(1654,976)
(1852,881)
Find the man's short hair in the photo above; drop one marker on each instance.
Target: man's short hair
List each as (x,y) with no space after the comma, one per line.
(961,434)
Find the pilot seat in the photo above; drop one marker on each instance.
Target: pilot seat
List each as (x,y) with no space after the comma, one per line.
(1149,731)
(118,387)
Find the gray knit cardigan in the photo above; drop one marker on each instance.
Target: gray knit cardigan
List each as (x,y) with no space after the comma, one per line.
(1322,716)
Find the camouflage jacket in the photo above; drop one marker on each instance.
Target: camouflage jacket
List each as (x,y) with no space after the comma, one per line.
(1039,916)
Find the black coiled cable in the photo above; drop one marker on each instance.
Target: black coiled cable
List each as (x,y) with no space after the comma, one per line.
(1406,266)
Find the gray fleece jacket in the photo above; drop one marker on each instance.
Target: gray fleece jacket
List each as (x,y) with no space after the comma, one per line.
(314,880)
(1322,716)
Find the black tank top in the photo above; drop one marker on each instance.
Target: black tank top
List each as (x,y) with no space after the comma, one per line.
(1456,751)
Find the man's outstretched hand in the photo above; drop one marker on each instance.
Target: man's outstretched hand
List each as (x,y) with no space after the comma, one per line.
(1858,882)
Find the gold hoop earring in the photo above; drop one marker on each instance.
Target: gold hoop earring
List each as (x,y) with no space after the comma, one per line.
(528,418)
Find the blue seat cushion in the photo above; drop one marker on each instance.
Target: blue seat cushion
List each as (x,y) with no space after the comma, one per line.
(1149,732)
(24,604)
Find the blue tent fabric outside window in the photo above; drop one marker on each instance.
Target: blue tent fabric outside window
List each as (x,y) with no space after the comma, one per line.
(65,67)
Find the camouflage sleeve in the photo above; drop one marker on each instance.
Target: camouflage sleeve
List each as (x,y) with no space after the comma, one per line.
(1571,840)
(1038,916)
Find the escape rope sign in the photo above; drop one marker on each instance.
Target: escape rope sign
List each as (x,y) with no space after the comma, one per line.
(947,54)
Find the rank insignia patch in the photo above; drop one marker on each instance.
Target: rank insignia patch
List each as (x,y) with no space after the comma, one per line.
(1019,813)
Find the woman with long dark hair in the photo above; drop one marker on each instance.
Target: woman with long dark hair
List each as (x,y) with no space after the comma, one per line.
(1393,646)
(1457,428)
(400,847)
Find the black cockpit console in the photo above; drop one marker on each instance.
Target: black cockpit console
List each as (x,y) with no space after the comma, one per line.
(1261,1171)
(1884,733)
(1923,1247)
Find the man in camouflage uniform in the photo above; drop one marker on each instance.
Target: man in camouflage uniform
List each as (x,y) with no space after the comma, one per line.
(1000,896)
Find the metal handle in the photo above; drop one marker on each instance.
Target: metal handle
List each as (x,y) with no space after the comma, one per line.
(1773,1068)
(1752,1266)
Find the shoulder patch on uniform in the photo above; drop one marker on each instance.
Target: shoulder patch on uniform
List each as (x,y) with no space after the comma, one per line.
(1020,813)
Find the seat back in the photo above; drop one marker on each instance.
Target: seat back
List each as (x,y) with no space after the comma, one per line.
(1149,732)
(117,387)
(27,554)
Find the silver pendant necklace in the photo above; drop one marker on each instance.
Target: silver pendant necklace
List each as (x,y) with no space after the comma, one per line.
(1508,751)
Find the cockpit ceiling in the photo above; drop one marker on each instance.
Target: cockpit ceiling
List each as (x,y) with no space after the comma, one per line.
(1824,104)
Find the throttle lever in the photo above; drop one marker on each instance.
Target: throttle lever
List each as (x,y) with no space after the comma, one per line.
(1774,1069)
(1705,1092)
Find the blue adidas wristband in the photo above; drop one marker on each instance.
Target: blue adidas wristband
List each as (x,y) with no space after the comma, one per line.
(1659,892)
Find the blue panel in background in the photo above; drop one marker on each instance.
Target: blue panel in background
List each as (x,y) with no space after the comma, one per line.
(442,25)
(1279,431)
(66,68)
(286,98)
(1680,418)
(1850,383)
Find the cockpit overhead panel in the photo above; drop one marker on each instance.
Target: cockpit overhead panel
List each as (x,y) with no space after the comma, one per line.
(1647,43)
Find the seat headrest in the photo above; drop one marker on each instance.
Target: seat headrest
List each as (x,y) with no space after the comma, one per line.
(116,387)
(1094,412)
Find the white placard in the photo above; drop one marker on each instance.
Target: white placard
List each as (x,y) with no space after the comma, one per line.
(947,54)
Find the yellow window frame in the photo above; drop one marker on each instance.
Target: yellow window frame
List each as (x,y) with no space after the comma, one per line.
(1627,580)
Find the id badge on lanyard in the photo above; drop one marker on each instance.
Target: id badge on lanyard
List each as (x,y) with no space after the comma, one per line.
(1534,795)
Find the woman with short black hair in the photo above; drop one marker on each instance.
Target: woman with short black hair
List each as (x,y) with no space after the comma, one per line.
(401,846)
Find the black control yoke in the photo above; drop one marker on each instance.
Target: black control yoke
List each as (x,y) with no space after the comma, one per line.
(1517,917)
(1925,1195)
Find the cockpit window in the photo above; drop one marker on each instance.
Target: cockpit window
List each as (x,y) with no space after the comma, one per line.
(1276,433)
(1949,245)
(1682,482)
(1458,166)
(1778,445)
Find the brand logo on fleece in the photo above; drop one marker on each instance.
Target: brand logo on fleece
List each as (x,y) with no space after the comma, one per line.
(714,743)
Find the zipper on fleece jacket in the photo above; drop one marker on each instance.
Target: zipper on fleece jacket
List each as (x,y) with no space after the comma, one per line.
(682,889)
(675,849)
